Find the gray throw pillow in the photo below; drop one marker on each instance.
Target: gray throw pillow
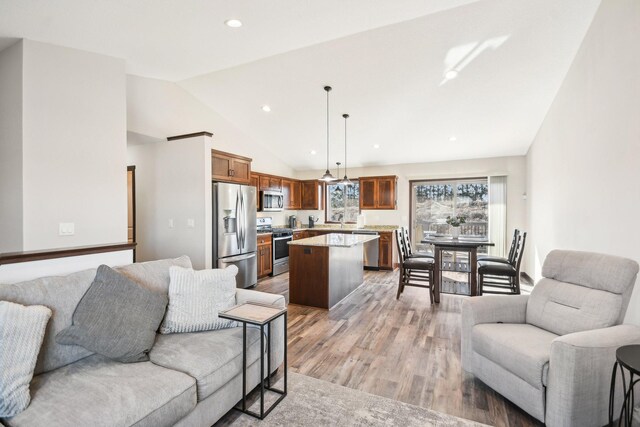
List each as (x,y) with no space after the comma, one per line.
(21,334)
(116,318)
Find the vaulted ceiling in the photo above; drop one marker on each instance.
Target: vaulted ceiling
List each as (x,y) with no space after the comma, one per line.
(386,60)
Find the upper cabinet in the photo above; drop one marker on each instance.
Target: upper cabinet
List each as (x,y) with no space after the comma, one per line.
(269,182)
(228,167)
(291,190)
(378,192)
(312,195)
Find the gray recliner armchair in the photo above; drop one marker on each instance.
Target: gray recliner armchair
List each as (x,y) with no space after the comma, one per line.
(552,352)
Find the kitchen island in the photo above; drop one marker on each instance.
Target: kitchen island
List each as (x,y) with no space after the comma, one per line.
(323,270)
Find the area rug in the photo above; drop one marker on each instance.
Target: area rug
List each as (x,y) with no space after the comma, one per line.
(312,402)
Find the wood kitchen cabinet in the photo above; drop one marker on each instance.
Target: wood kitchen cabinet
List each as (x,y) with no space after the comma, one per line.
(270,183)
(303,234)
(312,195)
(386,251)
(378,192)
(229,167)
(265,256)
(254,181)
(292,194)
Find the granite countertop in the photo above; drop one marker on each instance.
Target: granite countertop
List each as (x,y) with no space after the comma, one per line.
(335,240)
(349,227)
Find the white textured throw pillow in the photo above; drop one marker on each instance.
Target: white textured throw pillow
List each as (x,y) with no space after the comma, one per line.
(21,334)
(195,297)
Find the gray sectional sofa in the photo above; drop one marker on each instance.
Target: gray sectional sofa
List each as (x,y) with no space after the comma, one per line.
(192,379)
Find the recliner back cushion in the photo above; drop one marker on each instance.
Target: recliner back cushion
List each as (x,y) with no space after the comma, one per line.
(592,270)
(564,308)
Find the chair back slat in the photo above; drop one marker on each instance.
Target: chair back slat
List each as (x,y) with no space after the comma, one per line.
(514,244)
(402,251)
(520,252)
(407,242)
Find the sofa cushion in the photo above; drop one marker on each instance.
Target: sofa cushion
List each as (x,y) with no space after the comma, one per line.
(61,294)
(153,275)
(117,318)
(21,334)
(213,357)
(521,349)
(564,308)
(196,297)
(96,391)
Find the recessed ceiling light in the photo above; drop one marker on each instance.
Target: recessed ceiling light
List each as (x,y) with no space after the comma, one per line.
(313,152)
(451,74)
(376,145)
(453,139)
(233,23)
(266,108)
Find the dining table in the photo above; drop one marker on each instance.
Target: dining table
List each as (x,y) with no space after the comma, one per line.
(460,244)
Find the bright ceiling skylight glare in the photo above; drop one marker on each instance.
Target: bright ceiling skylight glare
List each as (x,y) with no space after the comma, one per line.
(313,152)
(233,23)
(376,145)
(266,108)
(453,139)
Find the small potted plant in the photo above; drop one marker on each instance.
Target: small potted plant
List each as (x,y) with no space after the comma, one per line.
(455,222)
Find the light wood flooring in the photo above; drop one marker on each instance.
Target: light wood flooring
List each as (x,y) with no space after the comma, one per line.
(404,349)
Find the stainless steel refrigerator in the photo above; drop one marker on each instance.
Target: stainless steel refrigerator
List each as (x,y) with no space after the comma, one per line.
(234,231)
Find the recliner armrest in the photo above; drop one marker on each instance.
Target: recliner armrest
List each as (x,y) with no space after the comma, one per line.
(248,295)
(580,375)
(488,309)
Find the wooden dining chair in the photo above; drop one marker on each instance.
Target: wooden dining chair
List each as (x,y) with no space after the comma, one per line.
(416,271)
(500,278)
(510,258)
(409,247)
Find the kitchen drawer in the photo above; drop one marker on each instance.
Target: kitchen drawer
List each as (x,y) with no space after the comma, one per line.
(264,239)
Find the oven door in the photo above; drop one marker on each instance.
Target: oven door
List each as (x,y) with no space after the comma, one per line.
(281,249)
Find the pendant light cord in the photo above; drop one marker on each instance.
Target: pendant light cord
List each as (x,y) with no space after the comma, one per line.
(327,88)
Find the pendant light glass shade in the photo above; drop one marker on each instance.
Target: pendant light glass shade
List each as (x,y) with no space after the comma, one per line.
(345,180)
(327,177)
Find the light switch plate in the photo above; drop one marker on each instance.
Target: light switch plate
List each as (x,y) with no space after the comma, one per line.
(67,228)
(191,223)
(171,223)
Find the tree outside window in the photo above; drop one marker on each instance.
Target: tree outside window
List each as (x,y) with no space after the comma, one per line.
(337,195)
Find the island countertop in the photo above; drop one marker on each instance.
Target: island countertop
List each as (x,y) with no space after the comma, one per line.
(335,240)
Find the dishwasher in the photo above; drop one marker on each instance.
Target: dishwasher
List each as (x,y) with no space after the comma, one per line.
(370,250)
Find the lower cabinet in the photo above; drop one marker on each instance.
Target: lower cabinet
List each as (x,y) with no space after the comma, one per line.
(386,251)
(265,257)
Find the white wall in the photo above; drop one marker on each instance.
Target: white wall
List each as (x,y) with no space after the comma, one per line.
(11,148)
(583,166)
(158,109)
(74,147)
(512,167)
(173,182)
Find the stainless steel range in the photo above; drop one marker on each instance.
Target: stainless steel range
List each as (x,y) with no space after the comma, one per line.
(280,247)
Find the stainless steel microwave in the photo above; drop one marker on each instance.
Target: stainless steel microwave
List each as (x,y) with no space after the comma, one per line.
(271,201)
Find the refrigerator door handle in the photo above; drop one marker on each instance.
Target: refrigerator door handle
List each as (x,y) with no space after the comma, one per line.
(242,221)
(238,233)
(238,258)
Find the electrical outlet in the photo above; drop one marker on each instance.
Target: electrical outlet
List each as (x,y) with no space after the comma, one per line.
(66,229)
(191,223)
(171,223)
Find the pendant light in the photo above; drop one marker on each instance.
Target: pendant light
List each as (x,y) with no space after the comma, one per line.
(327,177)
(338,188)
(345,180)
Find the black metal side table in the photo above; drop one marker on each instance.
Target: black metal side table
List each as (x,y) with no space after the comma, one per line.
(260,315)
(627,357)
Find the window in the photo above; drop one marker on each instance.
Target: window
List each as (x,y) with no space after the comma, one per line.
(433,201)
(338,196)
